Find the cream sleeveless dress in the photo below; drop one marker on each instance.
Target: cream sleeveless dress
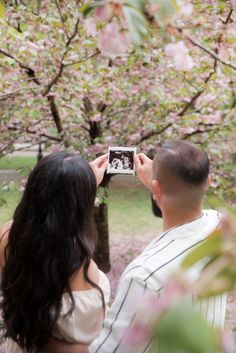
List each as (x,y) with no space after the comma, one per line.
(84,323)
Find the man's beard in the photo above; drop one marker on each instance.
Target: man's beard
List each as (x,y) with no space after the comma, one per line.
(156,209)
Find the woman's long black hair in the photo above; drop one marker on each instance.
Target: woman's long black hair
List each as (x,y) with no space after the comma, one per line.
(49,240)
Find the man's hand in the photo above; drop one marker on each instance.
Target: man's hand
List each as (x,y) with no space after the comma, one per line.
(143,166)
(99,166)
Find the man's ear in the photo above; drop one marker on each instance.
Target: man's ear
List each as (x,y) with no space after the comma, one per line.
(208,181)
(156,189)
(207,184)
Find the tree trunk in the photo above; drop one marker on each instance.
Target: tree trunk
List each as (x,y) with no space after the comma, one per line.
(101,256)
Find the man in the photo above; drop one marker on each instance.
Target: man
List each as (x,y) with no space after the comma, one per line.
(178,179)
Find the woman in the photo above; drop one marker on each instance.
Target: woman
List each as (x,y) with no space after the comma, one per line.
(50,285)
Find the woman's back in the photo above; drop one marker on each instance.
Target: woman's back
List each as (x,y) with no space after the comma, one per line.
(49,283)
(84,323)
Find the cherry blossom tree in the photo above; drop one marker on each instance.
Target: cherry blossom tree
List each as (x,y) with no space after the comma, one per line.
(80,76)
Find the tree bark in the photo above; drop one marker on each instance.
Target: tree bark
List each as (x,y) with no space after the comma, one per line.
(102,255)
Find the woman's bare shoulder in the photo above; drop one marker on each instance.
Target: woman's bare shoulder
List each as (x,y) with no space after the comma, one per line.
(4,232)
(78,281)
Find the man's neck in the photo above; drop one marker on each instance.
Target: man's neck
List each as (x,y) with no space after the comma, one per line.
(173,219)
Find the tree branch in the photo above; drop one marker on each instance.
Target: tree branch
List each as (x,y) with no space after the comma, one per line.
(28,131)
(39,3)
(74,32)
(190,103)
(197,94)
(55,78)
(154,132)
(23,3)
(19,90)
(62,19)
(55,114)
(30,72)
(98,51)
(62,65)
(197,131)
(228,17)
(49,137)
(210,52)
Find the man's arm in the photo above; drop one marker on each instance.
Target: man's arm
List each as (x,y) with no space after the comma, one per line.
(121,316)
(55,345)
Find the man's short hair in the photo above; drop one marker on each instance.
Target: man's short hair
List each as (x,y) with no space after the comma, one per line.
(183,161)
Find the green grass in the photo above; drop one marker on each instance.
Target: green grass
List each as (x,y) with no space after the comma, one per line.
(21,164)
(129,210)
(9,193)
(11,196)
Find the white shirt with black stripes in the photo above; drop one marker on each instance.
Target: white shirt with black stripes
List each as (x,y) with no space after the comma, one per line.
(147,274)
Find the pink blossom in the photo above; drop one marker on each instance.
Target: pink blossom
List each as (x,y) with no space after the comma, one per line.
(224,52)
(232,297)
(90,26)
(151,308)
(202,100)
(134,90)
(186,130)
(179,52)
(185,8)
(134,137)
(175,289)
(227,230)
(173,117)
(45,28)
(135,334)
(116,92)
(113,41)
(96,118)
(98,148)
(213,118)
(227,341)
(183,62)
(103,13)
(233,3)
(108,139)
(215,181)
(173,49)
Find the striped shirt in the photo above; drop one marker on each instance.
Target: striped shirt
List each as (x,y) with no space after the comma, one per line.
(147,274)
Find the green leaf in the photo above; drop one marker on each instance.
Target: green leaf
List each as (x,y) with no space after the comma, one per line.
(137,24)
(210,247)
(165,9)
(218,286)
(102,194)
(13,32)
(86,9)
(184,330)
(138,4)
(24,27)
(2,9)
(215,201)
(99,3)
(229,273)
